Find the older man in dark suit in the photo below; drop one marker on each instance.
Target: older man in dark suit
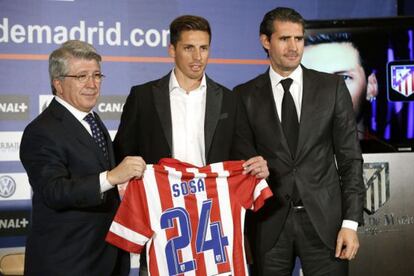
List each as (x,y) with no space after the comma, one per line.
(68,156)
(302,122)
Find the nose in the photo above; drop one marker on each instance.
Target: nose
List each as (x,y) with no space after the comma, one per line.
(197,54)
(293,44)
(91,82)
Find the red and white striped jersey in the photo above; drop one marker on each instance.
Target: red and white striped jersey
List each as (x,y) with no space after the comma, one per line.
(192,219)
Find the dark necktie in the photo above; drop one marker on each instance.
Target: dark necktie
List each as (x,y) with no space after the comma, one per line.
(290,126)
(290,122)
(97,133)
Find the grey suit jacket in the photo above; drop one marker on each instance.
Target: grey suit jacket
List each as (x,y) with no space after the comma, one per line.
(146,128)
(328,165)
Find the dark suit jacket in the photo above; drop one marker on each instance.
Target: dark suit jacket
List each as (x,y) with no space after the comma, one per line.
(146,128)
(327,131)
(70,217)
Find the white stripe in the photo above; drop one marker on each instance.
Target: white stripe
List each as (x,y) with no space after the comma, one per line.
(242,219)
(368,198)
(155,211)
(225,208)
(211,267)
(258,190)
(174,177)
(383,186)
(410,84)
(376,194)
(127,233)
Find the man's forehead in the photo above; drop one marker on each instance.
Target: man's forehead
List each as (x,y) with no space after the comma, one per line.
(331,57)
(288,28)
(83,64)
(194,37)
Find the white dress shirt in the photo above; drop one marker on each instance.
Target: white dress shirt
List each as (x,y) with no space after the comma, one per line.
(80,115)
(296,89)
(187,115)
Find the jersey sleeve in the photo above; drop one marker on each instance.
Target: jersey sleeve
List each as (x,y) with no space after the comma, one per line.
(131,229)
(253,192)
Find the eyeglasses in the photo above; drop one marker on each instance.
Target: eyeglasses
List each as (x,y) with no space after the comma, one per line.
(83,78)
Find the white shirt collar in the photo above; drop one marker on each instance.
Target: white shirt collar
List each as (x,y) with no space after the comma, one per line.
(80,115)
(174,82)
(296,75)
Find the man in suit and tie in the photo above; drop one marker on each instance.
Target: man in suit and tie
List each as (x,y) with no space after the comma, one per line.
(185,114)
(69,159)
(302,122)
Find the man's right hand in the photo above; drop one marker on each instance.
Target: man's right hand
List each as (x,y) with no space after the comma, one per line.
(130,167)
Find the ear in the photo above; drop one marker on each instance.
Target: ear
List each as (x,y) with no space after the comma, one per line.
(372,87)
(58,86)
(171,50)
(265,41)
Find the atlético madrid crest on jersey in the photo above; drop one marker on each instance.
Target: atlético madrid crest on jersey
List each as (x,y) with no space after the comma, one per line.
(403,79)
(377,184)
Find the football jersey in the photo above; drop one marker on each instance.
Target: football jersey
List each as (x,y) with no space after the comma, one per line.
(190,218)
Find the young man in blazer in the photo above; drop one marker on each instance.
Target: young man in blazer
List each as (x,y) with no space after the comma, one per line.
(302,122)
(68,156)
(185,114)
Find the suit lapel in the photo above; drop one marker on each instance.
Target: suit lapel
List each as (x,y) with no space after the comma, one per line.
(309,103)
(163,107)
(214,98)
(77,130)
(267,106)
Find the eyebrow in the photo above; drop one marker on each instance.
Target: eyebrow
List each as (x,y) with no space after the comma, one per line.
(289,36)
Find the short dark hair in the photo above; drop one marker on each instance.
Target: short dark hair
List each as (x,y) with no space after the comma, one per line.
(188,23)
(280,14)
(327,38)
(341,37)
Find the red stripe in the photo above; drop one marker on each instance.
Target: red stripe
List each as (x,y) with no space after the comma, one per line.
(140,59)
(412,81)
(260,200)
(122,243)
(164,191)
(211,189)
(406,87)
(190,201)
(131,216)
(239,265)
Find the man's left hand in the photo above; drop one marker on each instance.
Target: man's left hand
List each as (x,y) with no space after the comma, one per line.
(347,244)
(256,166)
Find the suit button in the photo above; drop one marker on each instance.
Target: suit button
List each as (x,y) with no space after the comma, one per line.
(295,169)
(287,197)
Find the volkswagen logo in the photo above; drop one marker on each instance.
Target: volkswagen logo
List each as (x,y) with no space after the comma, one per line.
(7,186)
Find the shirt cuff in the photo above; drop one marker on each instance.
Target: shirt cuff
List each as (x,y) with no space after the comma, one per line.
(350,224)
(104,183)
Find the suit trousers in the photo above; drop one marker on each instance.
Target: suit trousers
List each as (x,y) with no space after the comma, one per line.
(300,239)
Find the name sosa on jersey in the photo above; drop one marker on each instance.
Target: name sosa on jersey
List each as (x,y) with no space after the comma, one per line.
(185,188)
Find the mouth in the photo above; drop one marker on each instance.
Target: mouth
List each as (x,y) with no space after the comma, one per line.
(90,94)
(196,67)
(292,56)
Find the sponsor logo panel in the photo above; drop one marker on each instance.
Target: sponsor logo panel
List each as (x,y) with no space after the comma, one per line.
(110,107)
(15,186)
(10,145)
(14,222)
(377,184)
(14,107)
(44,101)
